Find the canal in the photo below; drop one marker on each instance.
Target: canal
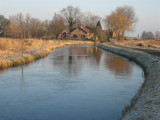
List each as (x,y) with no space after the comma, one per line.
(73,83)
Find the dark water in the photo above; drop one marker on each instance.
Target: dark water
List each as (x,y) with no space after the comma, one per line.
(73,83)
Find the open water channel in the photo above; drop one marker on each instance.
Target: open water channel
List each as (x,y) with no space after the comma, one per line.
(73,83)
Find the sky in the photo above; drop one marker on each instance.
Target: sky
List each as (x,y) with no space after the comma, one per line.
(147,11)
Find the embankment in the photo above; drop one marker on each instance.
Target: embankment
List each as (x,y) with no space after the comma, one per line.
(145,105)
(31,55)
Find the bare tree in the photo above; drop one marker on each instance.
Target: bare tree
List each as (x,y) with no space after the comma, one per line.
(12,29)
(71,15)
(20,24)
(128,11)
(144,34)
(157,34)
(147,35)
(56,26)
(25,27)
(90,20)
(37,28)
(28,26)
(107,23)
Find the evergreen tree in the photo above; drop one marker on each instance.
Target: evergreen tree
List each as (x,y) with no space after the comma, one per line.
(99,24)
(3,24)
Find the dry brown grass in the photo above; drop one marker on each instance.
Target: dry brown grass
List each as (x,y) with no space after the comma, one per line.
(33,49)
(14,46)
(146,43)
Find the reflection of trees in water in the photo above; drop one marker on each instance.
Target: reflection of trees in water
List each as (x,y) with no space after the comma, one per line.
(97,55)
(22,84)
(2,72)
(117,65)
(73,58)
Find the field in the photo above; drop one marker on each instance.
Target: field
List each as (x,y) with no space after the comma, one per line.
(140,43)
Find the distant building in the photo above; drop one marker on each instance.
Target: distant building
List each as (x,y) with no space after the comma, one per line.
(79,33)
(110,33)
(64,35)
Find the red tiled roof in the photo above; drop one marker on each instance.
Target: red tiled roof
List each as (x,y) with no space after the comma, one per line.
(86,30)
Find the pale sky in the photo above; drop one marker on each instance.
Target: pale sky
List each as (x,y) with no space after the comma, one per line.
(147,11)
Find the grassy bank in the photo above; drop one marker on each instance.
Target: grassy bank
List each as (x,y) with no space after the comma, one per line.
(15,52)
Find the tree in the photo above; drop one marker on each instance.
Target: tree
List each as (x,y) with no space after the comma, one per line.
(71,15)
(28,26)
(144,34)
(121,20)
(3,24)
(37,28)
(99,34)
(12,29)
(119,23)
(157,34)
(25,27)
(20,23)
(147,35)
(56,26)
(99,24)
(150,35)
(107,23)
(128,12)
(90,20)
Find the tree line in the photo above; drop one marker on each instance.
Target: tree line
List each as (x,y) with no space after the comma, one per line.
(121,20)
(150,35)
(20,26)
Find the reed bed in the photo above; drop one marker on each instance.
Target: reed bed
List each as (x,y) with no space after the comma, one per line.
(15,52)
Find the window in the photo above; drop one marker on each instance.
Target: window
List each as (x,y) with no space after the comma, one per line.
(74,36)
(83,36)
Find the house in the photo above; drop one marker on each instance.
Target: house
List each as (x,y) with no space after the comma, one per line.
(110,33)
(64,35)
(81,33)
(78,33)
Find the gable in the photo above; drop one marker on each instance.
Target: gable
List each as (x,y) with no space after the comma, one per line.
(78,31)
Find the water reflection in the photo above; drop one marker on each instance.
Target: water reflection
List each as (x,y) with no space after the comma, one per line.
(2,72)
(73,59)
(77,57)
(73,83)
(22,80)
(117,65)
